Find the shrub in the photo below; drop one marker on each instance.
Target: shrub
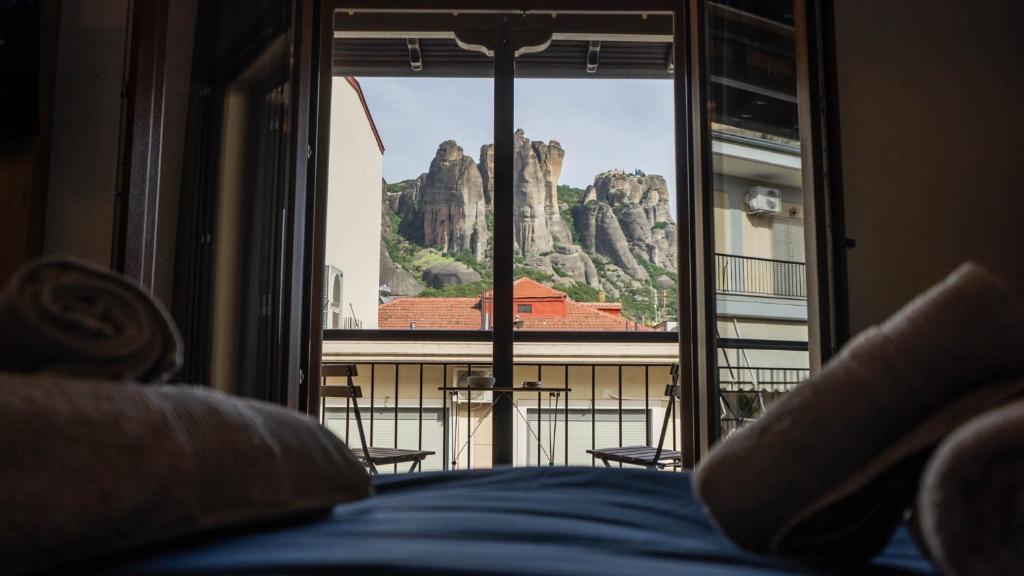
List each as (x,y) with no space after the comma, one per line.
(579,292)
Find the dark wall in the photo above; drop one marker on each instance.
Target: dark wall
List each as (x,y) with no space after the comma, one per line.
(87,124)
(932,122)
(25,141)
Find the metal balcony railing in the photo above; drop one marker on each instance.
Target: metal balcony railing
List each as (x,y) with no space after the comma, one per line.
(410,403)
(406,405)
(760,276)
(746,392)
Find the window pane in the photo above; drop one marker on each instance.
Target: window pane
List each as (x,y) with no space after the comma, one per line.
(595,206)
(409,225)
(758,204)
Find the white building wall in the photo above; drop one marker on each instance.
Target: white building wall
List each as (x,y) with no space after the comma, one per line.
(355,173)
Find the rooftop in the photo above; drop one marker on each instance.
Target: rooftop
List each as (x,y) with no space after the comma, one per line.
(465,313)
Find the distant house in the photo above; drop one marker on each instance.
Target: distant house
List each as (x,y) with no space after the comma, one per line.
(355,173)
(536,306)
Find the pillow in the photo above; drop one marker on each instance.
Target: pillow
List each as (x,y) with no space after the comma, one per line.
(94,467)
(970,509)
(827,472)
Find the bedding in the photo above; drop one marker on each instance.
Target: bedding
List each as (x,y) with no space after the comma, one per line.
(565,521)
(94,467)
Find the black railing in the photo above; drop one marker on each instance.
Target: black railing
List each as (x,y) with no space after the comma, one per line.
(746,392)
(411,405)
(605,406)
(760,276)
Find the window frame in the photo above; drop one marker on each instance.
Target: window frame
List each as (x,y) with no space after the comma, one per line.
(696,290)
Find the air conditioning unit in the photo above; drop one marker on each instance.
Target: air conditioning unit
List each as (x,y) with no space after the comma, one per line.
(461,378)
(763,200)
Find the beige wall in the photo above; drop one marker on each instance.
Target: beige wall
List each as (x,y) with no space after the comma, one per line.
(932,138)
(354,179)
(736,231)
(227,261)
(86,121)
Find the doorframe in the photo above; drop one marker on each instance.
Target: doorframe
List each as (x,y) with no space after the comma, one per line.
(697,341)
(696,294)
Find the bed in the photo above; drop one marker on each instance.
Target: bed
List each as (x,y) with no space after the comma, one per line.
(565,521)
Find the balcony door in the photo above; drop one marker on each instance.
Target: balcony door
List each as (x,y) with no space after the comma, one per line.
(506,189)
(570,222)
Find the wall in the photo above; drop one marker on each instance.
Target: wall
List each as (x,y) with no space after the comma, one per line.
(228,246)
(86,132)
(24,161)
(354,203)
(932,135)
(86,121)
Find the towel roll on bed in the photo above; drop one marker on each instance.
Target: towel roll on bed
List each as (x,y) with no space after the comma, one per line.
(828,471)
(970,509)
(65,316)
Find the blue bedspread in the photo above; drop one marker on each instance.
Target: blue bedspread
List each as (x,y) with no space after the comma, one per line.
(579,521)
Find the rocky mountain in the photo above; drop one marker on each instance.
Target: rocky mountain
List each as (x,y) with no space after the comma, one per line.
(616,237)
(445,207)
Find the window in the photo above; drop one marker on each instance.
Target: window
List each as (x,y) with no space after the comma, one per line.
(758,206)
(409,209)
(516,200)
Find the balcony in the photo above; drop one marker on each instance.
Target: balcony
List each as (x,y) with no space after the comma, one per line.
(760,276)
(615,397)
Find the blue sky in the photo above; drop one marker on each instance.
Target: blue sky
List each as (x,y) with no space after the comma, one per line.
(601,124)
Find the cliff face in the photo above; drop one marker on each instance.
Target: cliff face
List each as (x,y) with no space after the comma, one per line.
(538,221)
(643,215)
(620,237)
(447,205)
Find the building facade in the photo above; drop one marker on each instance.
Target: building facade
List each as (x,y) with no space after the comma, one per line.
(356,166)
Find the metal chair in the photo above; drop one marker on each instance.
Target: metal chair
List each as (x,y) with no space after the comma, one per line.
(654,457)
(370,457)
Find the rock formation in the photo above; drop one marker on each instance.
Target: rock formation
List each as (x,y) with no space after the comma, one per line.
(538,221)
(451,204)
(641,205)
(622,224)
(449,274)
(395,277)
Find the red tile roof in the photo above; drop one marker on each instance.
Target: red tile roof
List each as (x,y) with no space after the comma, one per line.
(464,313)
(431,314)
(530,288)
(602,305)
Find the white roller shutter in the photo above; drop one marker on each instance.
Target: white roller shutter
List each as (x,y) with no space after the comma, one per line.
(604,432)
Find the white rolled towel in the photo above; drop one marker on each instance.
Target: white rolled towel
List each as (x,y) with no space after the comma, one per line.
(828,471)
(64,316)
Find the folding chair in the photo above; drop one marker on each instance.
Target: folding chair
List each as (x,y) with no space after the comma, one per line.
(370,457)
(654,457)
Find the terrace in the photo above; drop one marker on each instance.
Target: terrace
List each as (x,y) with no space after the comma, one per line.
(615,382)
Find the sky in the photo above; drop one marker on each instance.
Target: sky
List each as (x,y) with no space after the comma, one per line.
(601,124)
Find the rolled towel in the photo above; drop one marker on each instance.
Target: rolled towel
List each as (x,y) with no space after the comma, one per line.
(827,472)
(91,468)
(65,316)
(970,509)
